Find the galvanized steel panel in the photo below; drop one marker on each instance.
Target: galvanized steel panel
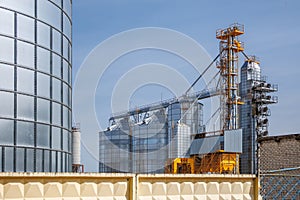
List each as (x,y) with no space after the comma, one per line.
(206,145)
(233,141)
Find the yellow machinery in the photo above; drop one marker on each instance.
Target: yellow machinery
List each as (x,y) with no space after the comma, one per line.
(180,166)
(219,162)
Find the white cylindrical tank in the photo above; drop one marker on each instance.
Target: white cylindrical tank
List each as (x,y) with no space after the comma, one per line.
(76,146)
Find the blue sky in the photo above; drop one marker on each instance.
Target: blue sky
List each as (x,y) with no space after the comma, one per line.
(272,30)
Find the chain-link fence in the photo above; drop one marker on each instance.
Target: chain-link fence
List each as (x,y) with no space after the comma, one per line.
(280,186)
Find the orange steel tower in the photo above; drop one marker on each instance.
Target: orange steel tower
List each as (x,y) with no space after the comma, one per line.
(230,46)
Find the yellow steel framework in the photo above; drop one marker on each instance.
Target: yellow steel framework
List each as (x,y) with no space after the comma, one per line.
(219,162)
(230,46)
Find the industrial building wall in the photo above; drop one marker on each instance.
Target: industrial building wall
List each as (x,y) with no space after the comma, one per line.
(126,186)
(280,167)
(280,152)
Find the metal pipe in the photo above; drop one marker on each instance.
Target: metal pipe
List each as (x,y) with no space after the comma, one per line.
(194,83)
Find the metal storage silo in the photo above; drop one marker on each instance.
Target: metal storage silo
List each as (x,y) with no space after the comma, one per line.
(76,162)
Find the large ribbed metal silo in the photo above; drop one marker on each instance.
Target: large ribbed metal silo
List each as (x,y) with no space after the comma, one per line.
(250,73)
(35,85)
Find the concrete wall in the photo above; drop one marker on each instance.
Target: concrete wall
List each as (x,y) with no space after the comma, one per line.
(126,186)
(188,187)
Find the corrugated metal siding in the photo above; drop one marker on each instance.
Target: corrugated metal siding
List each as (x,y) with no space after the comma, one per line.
(233,141)
(206,145)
